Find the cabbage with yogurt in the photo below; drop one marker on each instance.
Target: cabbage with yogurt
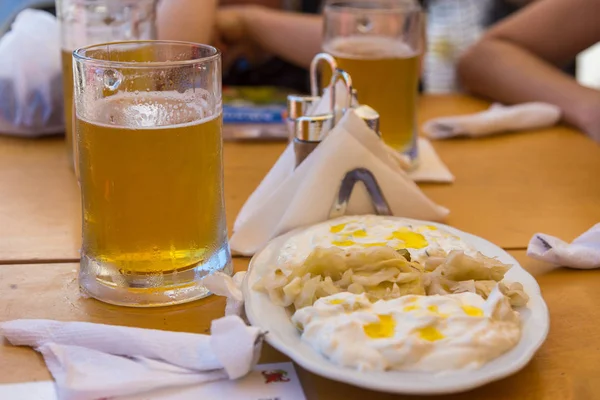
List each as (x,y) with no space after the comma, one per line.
(415,333)
(385,259)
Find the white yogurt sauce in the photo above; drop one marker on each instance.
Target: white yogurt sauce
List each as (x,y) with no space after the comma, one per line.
(421,241)
(416,333)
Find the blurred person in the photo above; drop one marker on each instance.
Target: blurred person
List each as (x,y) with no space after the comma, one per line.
(264,42)
(520,60)
(503,8)
(269,46)
(293,35)
(193,20)
(290,35)
(186,20)
(272,42)
(452,26)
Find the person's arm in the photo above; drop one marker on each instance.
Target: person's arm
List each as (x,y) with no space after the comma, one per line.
(519,3)
(291,36)
(518,60)
(186,20)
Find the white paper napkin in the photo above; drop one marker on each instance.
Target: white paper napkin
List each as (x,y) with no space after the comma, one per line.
(430,168)
(323,106)
(265,381)
(92,361)
(229,286)
(289,198)
(582,253)
(496,119)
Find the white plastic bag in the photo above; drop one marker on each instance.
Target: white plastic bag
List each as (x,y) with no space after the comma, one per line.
(31,98)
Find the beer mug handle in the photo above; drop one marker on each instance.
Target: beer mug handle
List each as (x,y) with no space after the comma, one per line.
(314,69)
(343,75)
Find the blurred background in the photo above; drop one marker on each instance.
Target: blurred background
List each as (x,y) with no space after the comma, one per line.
(267,43)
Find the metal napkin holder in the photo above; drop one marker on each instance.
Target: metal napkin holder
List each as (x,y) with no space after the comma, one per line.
(350,180)
(298,105)
(308,132)
(321,58)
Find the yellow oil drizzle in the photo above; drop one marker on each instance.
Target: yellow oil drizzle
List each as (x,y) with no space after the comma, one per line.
(359,233)
(374,244)
(433,308)
(382,329)
(431,227)
(336,301)
(411,239)
(410,308)
(337,228)
(343,243)
(399,246)
(430,333)
(472,311)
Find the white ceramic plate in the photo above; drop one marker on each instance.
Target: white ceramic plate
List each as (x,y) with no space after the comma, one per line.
(284,337)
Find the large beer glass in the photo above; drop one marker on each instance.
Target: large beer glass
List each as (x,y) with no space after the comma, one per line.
(150,169)
(378,42)
(85,22)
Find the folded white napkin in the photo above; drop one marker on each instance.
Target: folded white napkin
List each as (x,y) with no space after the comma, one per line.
(430,167)
(582,253)
(288,198)
(496,119)
(323,106)
(229,286)
(92,361)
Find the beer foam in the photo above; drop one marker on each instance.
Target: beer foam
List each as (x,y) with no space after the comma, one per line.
(368,47)
(152,110)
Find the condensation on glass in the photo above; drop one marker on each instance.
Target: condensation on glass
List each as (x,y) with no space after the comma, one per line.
(148,122)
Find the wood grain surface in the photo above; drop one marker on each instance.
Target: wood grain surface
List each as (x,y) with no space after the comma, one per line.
(507,187)
(565,368)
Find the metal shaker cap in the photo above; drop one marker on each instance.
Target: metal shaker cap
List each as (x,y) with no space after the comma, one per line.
(370,116)
(310,128)
(298,105)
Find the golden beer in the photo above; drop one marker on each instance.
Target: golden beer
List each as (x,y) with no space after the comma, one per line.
(385,73)
(139,54)
(148,139)
(150,172)
(67,70)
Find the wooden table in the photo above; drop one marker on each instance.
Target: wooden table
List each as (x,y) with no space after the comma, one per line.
(566,367)
(507,188)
